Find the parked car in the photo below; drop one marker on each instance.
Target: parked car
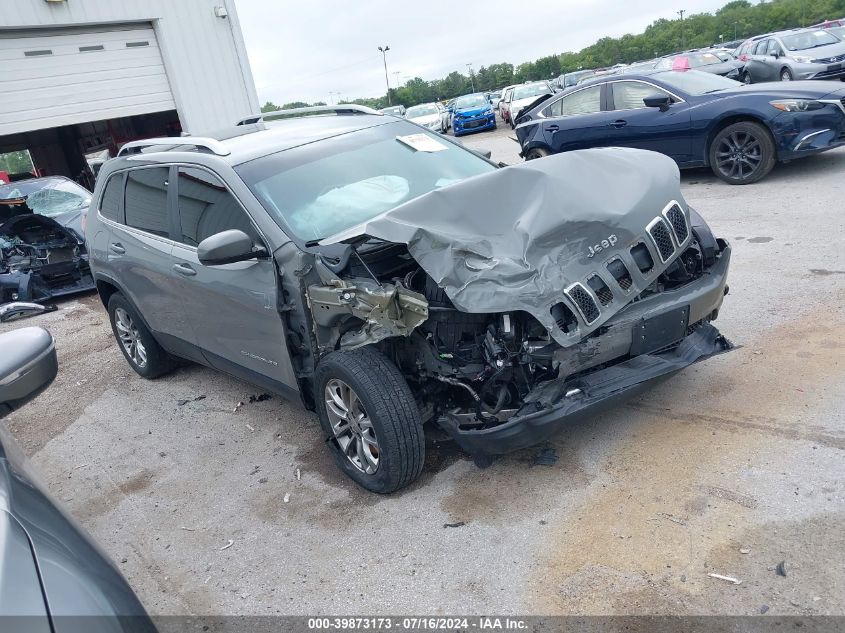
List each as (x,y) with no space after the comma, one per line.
(525,95)
(473,113)
(793,55)
(42,247)
(504,112)
(53,577)
(567,80)
(705,61)
(397,110)
(430,115)
(747,48)
(696,118)
(497,304)
(494,98)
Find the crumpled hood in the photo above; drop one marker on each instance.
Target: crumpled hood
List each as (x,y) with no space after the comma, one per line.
(516,238)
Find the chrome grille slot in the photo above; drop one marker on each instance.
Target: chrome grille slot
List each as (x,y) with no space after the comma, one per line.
(603,293)
(620,273)
(678,222)
(584,301)
(642,258)
(658,230)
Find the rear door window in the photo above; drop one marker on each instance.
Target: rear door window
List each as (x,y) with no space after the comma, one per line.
(146,200)
(207,207)
(629,95)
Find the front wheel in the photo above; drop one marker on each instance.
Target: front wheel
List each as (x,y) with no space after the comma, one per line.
(370,419)
(742,153)
(536,152)
(746,78)
(786,75)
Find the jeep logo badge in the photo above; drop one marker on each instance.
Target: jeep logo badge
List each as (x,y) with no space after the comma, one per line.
(609,241)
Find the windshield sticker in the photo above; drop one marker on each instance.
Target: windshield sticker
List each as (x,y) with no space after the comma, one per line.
(422,143)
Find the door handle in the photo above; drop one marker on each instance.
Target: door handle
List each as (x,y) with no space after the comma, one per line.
(552,127)
(184,269)
(619,123)
(117,247)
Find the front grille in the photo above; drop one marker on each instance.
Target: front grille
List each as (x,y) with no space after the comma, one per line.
(678,221)
(659,232)
(584,302)
(604,294)
(620,273)
(830,60)
(642,258)
(830,73)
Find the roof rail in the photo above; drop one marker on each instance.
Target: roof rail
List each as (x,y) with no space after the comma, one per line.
(343,108)
(199,142)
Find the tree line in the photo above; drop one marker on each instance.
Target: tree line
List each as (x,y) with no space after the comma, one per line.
(736,20)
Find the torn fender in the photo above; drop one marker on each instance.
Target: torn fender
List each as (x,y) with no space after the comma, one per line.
(385,309)
(516,238)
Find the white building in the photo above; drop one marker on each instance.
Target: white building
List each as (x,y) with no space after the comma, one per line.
(81,76)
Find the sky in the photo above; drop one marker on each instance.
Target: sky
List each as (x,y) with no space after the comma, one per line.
(325,49)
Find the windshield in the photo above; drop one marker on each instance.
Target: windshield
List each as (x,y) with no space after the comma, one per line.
(470,101)
(723,55)
(838,31)
(421,110)
(393,110)
(48,196)
(703,59)
(316,190)
(495,95)
(695,82)
(531,90)
(808,39)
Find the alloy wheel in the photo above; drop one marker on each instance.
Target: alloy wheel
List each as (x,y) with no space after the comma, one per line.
(739,155)
(353,430)
(130,337)
(785,75)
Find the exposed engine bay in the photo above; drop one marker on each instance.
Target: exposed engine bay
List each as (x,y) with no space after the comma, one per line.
(478,370)
(40,259)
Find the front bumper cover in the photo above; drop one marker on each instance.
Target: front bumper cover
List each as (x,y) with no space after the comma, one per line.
(597,391)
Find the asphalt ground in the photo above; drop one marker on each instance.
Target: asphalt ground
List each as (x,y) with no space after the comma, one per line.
(730,468)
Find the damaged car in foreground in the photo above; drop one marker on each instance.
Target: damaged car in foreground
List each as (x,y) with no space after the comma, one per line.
(391,279)
(42,248)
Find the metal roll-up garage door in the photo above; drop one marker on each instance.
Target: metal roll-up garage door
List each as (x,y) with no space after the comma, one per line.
(54,77)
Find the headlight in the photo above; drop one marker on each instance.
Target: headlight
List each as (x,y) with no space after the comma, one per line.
(732,73)
(796,105)
(802,59)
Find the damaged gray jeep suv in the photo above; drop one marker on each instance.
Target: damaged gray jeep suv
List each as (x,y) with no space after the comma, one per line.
(389,278)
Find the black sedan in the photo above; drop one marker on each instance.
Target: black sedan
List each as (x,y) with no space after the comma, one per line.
(696,118)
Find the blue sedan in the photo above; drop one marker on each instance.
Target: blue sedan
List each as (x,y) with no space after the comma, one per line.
(472,113)
(696,118)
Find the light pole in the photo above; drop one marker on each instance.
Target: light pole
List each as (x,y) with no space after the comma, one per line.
(683,36)
(471,77)
(384,58)
(735,31)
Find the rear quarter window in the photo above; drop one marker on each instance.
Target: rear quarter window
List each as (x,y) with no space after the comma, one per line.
(110,200)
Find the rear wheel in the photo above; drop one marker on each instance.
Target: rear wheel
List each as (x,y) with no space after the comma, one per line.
(746,78)
(742,153)
(370,419)
(141,350)
(536,152)
(786,75)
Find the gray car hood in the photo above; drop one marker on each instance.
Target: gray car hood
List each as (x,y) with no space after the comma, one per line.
(516,238)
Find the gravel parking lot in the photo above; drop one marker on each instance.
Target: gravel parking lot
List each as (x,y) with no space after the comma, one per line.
(729,468)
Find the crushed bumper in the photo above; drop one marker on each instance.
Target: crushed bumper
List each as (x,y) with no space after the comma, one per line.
(551,410)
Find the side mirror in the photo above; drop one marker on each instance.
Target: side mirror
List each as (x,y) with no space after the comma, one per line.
(27,366)
(660,101)
(228,247)
(775,54)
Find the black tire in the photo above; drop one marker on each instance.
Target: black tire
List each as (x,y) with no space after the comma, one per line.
(785,74)
(391,410)
(157,362)
(536,152)
(742,153)
(746,78)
